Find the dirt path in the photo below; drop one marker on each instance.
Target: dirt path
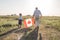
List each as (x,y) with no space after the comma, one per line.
(44,33)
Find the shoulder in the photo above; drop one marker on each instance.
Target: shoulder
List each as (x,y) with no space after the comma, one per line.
(38,10)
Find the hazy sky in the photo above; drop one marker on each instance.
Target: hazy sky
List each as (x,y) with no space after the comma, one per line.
(27,7)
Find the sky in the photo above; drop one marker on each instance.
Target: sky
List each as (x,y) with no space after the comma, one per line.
(27,7)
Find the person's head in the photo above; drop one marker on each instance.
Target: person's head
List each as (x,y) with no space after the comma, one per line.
(36,8)
(20,14)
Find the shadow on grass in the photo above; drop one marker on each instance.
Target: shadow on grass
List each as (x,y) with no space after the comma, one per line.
(40,38)
(32,35)
(24,30)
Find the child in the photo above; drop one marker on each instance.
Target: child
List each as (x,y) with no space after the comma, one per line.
(20,21)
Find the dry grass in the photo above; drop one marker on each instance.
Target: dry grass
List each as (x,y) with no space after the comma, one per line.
(49,29)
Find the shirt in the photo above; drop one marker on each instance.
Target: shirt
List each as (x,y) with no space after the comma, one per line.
(37,13)
(20,18)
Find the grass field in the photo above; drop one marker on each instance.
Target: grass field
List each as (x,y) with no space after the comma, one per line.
(50,27)
(7,24)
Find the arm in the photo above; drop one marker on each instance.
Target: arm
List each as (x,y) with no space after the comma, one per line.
(40,14)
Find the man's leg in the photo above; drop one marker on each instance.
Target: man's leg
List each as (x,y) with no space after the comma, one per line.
(37,23)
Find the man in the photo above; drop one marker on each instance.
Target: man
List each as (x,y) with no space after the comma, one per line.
(37,14)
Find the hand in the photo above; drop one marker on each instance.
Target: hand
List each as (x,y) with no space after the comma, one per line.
(41,16)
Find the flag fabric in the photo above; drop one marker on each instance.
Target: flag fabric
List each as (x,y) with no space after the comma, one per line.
(28,22)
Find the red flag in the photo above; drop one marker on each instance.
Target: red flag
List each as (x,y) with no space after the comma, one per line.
(28,22)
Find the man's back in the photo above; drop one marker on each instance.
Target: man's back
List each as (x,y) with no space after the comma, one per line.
(37,13)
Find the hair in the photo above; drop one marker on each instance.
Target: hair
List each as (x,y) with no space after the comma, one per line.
(36,8)
(20,14)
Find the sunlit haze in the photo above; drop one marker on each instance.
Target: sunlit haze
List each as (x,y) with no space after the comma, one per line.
(27,7)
